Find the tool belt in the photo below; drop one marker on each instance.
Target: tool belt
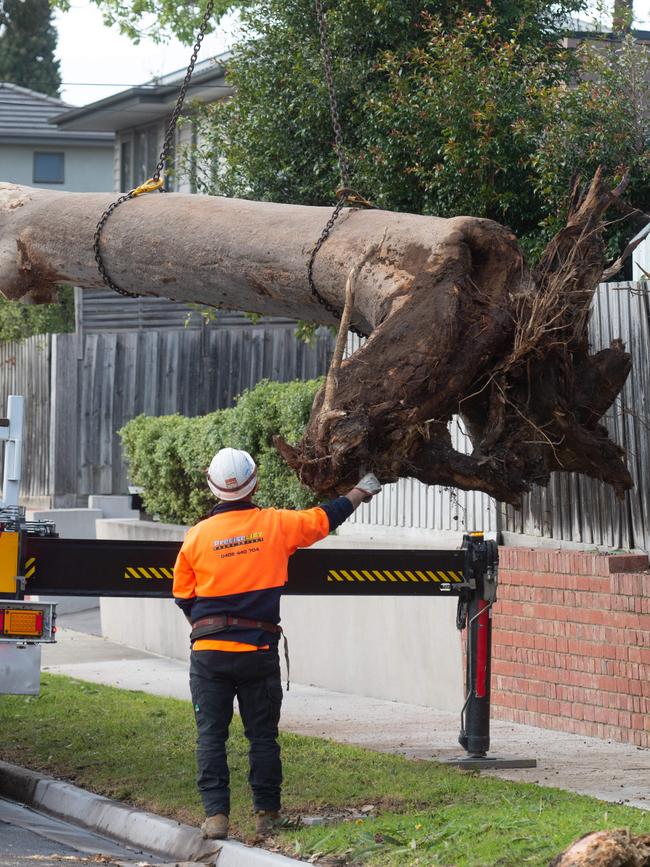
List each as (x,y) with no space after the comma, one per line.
(209,625)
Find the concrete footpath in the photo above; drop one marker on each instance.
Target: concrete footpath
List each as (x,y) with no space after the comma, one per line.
(604,769)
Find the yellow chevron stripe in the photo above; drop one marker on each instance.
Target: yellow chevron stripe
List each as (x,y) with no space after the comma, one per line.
(133,572)
(421,575)
(357,575)
(455,576)
(433,576)
(378,574)
(400,576)
(144,572)
(391,577)
(368,575)
(30,572)
(156,573)
(444,576)
(30,562)
(335,574)
(412,576)
(346,575)
(168,573)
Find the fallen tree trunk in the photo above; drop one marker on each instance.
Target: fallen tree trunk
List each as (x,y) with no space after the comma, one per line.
(456,322)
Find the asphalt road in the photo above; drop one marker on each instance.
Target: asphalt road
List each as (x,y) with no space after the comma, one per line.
(30,839)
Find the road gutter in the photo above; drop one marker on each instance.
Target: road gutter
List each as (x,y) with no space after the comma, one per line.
(165,838)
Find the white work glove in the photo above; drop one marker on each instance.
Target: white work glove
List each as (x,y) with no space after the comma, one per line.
(368,485)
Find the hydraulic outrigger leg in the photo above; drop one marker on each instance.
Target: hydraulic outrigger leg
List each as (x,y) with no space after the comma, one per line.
(475,614)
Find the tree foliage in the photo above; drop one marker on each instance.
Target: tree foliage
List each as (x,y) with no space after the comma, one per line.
(27,45)
(446,109)
(18,321)
(168,455)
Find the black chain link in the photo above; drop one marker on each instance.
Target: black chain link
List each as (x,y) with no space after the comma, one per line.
(171,129)
(326,54)
(344,195)
(97,238)
(154,181)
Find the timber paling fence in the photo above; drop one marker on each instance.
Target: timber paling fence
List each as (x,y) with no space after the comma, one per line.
(81,388)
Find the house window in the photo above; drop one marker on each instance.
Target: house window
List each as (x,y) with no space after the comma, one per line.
(126,170)
(146,150)
(49,168)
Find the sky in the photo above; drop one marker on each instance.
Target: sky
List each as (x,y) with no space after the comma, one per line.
(97,61)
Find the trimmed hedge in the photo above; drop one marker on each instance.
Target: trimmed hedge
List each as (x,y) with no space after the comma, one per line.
(168,455)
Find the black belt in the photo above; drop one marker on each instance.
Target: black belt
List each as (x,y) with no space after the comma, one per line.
(209,625)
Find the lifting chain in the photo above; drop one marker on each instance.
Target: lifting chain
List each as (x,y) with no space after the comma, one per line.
(156,181)
(344,195)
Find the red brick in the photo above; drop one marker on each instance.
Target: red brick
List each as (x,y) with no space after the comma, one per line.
(627,563)
(541,560)
(626,584)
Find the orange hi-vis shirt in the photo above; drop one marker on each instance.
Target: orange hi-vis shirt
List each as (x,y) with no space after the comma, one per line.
(235,563)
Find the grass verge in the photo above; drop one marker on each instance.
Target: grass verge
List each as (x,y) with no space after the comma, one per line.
(139,748)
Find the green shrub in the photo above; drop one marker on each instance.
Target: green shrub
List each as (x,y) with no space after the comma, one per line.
(18,321)
(168,455)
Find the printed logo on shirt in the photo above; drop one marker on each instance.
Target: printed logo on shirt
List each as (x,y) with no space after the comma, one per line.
(236,541)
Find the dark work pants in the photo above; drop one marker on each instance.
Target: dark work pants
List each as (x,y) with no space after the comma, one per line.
(216,677)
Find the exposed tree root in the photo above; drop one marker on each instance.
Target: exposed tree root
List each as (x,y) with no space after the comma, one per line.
(617,848)
(510,355)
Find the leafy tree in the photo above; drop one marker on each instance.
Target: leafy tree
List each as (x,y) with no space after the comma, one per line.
(446,110)
(27,44)
(599,121)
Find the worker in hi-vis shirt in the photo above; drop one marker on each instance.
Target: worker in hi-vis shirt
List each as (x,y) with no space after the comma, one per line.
(228,579)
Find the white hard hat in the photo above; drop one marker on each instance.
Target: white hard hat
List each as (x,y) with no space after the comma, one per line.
(232,474)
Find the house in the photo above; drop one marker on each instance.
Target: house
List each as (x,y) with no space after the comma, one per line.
(38,154)
(138,117)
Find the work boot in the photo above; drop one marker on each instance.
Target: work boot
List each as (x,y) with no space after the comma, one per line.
(265,823)
(215,827)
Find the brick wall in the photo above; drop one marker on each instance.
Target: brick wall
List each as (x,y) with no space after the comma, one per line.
(571,643)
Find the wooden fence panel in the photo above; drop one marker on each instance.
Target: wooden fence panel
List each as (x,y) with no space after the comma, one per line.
(188,371)
(25,369)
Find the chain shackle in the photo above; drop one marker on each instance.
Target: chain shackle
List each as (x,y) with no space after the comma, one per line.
(155,182)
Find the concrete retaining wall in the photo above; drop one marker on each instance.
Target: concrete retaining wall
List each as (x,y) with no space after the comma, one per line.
(571,643)
(397,649)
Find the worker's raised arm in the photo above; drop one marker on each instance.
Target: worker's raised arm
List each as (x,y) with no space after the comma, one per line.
(303,528)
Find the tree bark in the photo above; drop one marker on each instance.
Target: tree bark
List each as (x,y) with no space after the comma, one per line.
(457,323)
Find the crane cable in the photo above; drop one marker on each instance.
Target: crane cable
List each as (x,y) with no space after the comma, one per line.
(156,181)
(345,195)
